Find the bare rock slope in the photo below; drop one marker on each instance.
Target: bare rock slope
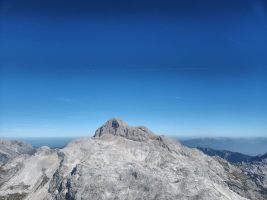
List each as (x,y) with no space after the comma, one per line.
(125,162)
(12,149)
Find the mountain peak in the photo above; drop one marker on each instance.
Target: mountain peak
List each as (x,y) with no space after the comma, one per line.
(117,127)
(116,123)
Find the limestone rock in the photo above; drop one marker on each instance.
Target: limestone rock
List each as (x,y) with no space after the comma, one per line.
(125,162)
(117,127)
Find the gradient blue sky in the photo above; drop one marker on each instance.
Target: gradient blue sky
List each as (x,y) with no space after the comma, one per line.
(182,68)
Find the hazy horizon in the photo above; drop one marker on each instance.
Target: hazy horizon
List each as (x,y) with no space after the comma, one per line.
(257,146)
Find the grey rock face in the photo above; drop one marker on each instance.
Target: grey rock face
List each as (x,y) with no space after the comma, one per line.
(12,149)
(257,172)
(125,162)
(28,176)
(117,127)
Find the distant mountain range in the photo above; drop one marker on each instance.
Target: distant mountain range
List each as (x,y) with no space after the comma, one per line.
(232,157)
(247,146)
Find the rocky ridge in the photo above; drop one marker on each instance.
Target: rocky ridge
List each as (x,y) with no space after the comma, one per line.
(125,162)
(11,148)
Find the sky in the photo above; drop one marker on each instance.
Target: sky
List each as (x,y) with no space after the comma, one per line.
(182,68)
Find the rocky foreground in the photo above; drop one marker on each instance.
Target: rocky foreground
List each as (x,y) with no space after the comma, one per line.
(124,162)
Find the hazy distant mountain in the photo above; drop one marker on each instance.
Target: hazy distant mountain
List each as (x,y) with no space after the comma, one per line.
(232,157)
(126,162)
(248,146)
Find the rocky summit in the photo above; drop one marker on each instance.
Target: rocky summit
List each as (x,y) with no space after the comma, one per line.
(126,162)
(117,127)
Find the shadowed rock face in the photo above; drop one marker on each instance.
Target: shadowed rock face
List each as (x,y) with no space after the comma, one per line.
(117,127)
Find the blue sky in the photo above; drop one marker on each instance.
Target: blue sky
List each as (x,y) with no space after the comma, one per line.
(182,68)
